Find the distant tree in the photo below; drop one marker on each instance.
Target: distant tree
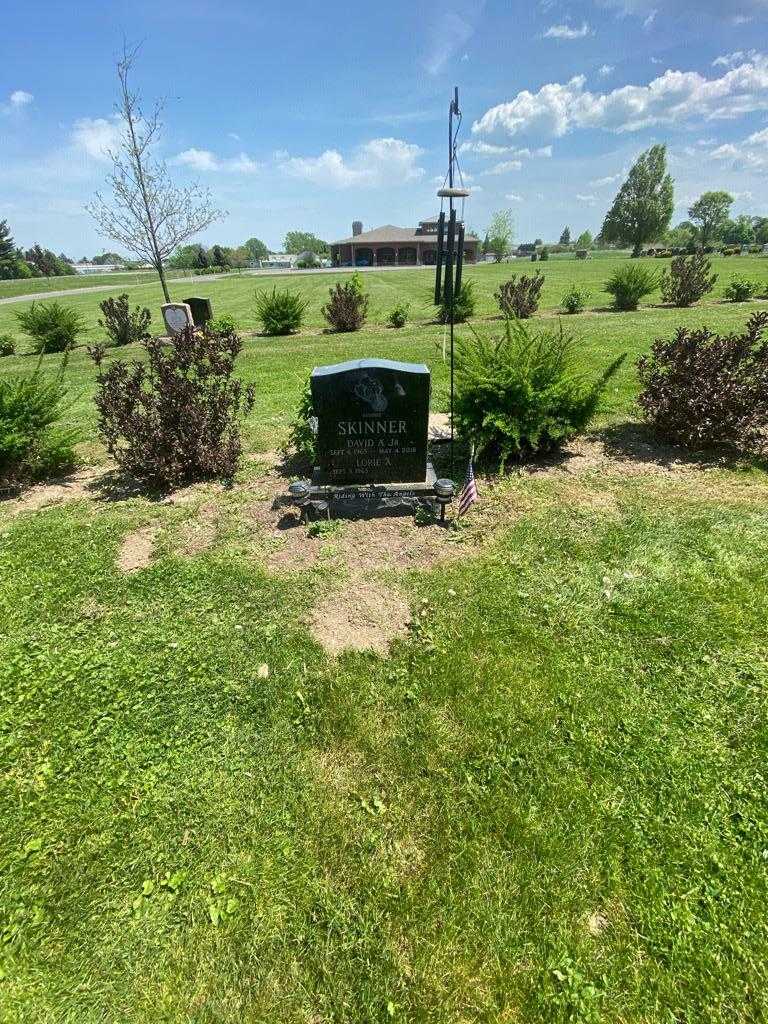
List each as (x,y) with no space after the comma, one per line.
(11,263)
(565,237)
(486,248)
(760,226)
(219,256)
(256,248)
(108,257)
(740,231)
(148,215)
(585,240)
(47,263)
(643,207)
(304,241)
(710,212)
(682,236)
(501,234)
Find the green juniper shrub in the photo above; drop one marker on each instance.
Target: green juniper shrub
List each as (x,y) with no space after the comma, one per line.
(356,280)
(520,296)
(33,443)
(544,254)
(347,306)
(7,345)
(464,303)
(399,315)
(740,289)
(123,325)
(687,280)
(302,435)
(280,312)
(52,326)
(575,299)
(174,416)
(224,323)
(700,388)
(582,254)
(518,395)
(629,283)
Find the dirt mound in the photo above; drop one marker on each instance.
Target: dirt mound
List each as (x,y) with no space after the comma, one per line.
(136,550)
(363,616)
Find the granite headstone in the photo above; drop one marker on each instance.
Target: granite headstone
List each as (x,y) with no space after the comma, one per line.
(372,421)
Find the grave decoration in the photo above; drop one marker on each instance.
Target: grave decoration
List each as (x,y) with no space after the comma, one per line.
(372,424)
(177,317)
(201,310)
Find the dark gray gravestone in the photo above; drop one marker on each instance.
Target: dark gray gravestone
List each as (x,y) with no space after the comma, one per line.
(201,310)
(372,421)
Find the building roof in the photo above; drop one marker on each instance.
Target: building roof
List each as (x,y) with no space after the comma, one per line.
(391,233)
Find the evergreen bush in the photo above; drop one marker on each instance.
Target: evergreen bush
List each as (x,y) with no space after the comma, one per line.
(740,289)
(52,326)
(280,312)
(518,395)
(464,303)
(629,283)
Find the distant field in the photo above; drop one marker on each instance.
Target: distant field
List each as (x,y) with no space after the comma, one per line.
(40,285)
(234,294)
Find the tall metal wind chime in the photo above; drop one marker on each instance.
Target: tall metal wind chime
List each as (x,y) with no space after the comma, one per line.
(450,243)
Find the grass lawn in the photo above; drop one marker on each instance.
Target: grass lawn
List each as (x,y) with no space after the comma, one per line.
(234,294)
(546,804)
(38,286)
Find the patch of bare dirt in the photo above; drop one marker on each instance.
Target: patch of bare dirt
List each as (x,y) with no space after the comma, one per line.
(365,615)
(596,922)
(136,550)
(199,534)
(67,488)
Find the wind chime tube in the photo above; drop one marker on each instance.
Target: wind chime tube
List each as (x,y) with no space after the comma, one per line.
(459,260)
(439,257)
(449,250)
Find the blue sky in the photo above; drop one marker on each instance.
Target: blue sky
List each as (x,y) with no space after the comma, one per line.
(307,115)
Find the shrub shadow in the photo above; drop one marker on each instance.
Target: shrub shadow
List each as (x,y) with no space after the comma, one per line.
(632,441)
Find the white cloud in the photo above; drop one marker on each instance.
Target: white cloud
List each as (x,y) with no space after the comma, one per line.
(751,154)
(674,97)
(650,19)
(504,167)
(481,148)
(606,70)
(568,31)
(205,161)
(589,199)
(450,34)
(378,162)
(759,138)
(97,135)
(20,98)
(465,57)
(610,179)
(513,197)
(735,11)
(233,135)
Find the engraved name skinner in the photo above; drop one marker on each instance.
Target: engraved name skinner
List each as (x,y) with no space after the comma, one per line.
(349,428)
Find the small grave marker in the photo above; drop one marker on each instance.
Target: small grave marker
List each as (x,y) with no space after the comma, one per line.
(177,317)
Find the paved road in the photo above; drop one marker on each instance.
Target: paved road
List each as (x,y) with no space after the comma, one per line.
(86,290)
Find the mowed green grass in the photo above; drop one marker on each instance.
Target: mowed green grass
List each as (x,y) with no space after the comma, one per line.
(547,805)
(39,286)
(235,294)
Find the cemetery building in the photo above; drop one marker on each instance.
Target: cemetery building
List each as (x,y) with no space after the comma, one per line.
(390,246)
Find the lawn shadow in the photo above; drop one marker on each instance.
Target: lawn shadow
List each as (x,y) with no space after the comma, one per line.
(635,442)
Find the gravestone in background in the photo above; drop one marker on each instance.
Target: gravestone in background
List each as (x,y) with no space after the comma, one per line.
(201,310)
(177,317)
(372,421)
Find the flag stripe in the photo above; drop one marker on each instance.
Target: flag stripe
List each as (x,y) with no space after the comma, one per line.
(468,495)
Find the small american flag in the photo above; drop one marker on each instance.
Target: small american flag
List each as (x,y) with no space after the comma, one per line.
(468,495)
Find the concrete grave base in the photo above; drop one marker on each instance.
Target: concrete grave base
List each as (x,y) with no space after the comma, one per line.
(370,499)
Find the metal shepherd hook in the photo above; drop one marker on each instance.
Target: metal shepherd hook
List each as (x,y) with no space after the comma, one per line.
(450,249)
